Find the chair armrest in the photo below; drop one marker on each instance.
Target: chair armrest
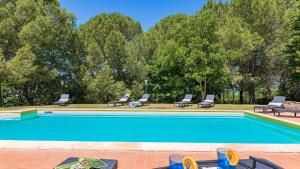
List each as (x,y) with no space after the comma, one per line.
(264,162)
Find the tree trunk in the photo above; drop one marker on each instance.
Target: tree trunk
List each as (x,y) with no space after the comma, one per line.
(251,87)
(241,93)
(223,97)
(203,89)
(233,95)
(28,95)
(1,99)
(251,93)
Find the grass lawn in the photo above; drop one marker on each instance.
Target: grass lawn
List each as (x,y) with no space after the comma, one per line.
(152,106)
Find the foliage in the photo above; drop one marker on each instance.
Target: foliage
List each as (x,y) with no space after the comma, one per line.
(292,54)
(103,87)
(137,90)
(247,46)
(251,34)
(106,64)
(115,54)
(193,61)
(38,42)
(3,74)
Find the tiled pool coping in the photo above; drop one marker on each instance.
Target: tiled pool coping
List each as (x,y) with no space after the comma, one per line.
(130,146)
(145,146)
(284,122)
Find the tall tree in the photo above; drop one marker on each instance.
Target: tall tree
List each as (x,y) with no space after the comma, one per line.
(293,62)
(48,33)
(137,59)
(103,87)
(260,20)
(191,60)
(115,53)
(105,38)
(239,42)
(21,70)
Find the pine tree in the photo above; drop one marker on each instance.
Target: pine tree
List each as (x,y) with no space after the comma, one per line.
(293,62)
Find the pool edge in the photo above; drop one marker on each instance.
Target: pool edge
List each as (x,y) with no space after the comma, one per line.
(145,146)
(283,122)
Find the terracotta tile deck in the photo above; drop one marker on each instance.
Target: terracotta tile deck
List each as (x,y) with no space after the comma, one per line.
(47,159)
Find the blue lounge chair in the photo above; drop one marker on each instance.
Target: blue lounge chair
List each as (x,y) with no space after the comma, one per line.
(277,102)
(208,102)
(145,99)
(286,110)
(124,100)
(185,102)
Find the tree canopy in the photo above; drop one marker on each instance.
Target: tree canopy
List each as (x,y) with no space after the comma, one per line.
(248,48)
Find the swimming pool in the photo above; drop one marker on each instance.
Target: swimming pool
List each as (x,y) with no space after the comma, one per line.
(239,128)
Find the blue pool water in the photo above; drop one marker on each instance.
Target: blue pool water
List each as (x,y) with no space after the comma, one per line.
(149,128)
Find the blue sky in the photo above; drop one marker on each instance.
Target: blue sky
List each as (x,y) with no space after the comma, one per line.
(147,12)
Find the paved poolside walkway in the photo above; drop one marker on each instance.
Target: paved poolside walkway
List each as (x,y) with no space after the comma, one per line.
(287,116)
(47,159)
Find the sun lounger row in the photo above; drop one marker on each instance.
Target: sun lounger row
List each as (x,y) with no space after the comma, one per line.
(187,100)
(125,100)
(276,105)
(64,100)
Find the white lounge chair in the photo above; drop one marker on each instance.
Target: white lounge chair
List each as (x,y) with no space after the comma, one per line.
(64,100)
